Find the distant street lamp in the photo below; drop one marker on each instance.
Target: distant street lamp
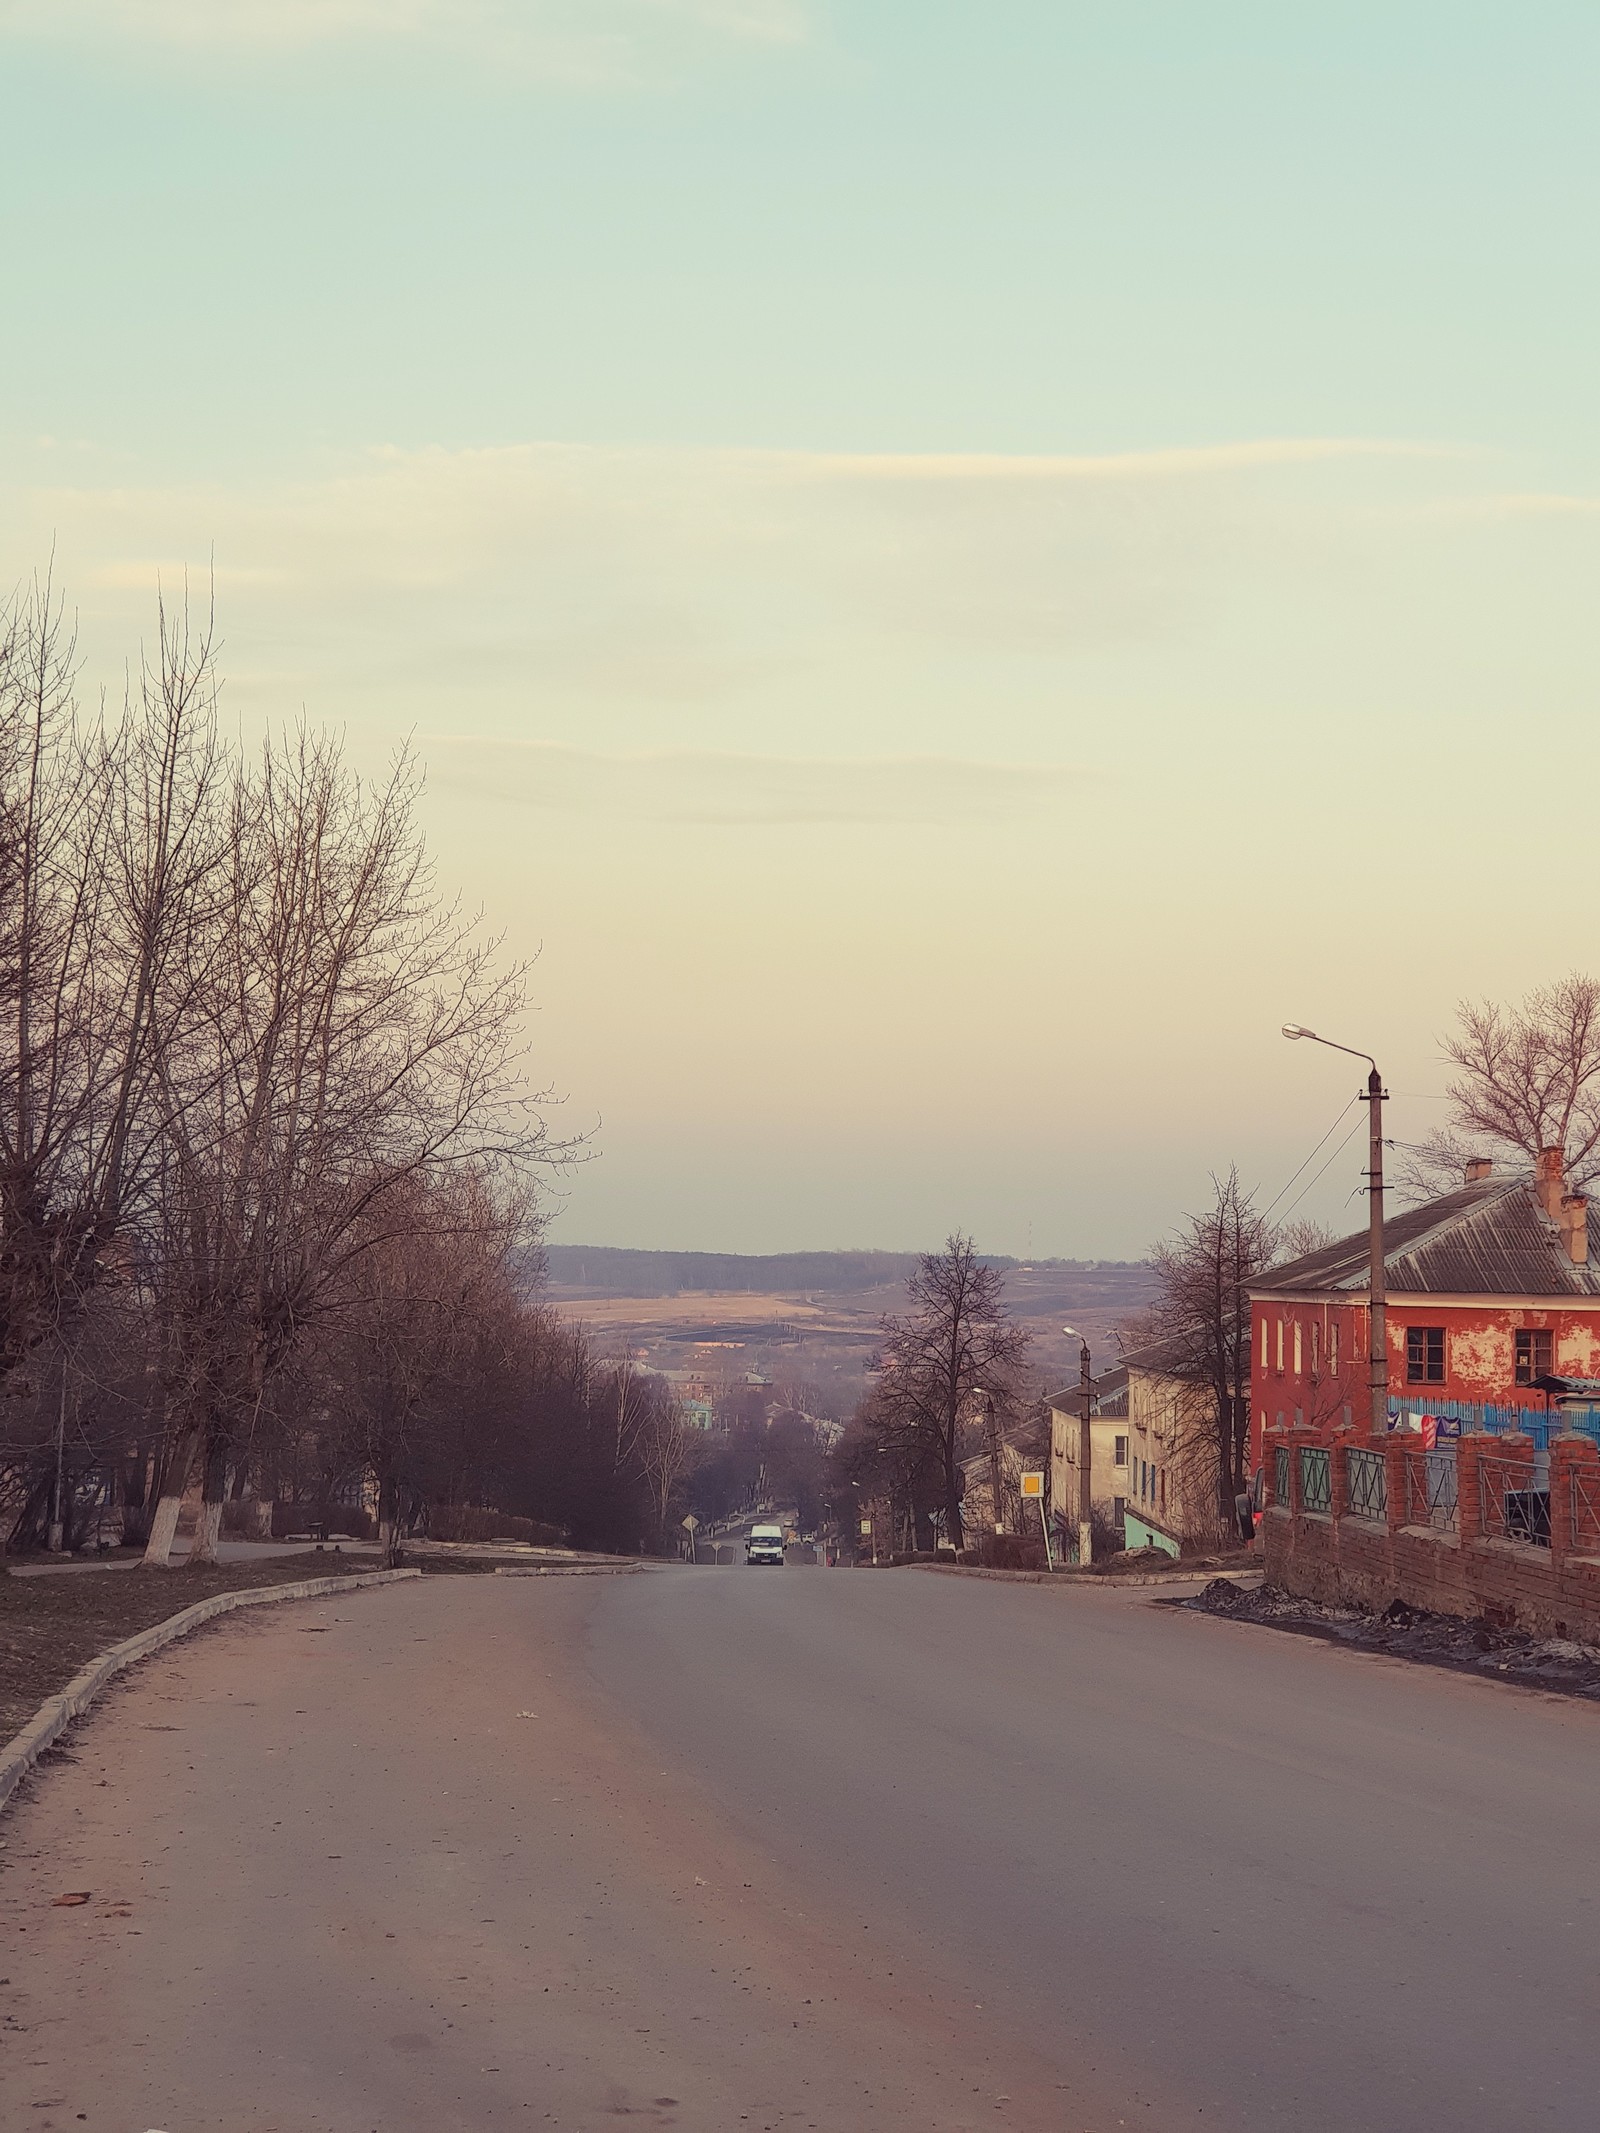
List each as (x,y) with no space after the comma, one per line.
(1377,1307)
(1085,1448)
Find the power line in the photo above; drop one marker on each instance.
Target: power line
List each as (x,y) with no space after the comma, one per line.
(1311,1158)
(1322,1173)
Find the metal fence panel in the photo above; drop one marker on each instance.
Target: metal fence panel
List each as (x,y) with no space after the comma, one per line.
(1366,1484)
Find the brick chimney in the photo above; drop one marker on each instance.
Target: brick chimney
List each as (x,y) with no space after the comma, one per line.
(1549,1182)
(1575,1227)
(1478,1169)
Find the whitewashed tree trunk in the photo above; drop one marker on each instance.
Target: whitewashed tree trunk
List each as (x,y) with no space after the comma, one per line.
(164,1526)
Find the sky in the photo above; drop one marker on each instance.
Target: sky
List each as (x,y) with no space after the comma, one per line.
(953,566)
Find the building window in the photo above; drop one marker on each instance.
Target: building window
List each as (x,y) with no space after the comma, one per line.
(1299,1353)
(1119,1506)
(1163,1495)
(1333,1347)
(1120,1452)
(1280,1347)
(1424,1355)
(1534,1355)
(1316,1347)
(1263,1344)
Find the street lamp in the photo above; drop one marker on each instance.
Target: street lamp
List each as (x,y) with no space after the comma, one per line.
(1085,1447)
(1378,1326)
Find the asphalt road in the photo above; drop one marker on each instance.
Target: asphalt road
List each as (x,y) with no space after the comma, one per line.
(824,1849)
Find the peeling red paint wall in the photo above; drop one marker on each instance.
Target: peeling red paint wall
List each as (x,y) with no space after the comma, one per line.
(1330,1387)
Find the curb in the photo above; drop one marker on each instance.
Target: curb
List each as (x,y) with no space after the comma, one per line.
(571,1570)
(1079,1582)
(53,1717)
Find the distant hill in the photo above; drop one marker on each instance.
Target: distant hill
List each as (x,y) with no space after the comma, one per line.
(609,1269)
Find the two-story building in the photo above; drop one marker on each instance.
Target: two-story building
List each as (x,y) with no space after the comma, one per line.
(1489,1290)
(1153,1454)
(1108,1458)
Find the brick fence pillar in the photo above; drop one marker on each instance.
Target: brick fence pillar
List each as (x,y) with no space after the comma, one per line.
(1339,1472)
(1469,1495)
(1392,1450)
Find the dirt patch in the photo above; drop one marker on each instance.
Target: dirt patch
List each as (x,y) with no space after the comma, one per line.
(1555,1663)
(50,1628)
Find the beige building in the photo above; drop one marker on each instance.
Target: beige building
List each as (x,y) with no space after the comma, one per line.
(1108,1460)
(1153,1459)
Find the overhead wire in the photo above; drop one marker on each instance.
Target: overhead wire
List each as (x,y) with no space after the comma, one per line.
(1322,1173)
(1311,1158)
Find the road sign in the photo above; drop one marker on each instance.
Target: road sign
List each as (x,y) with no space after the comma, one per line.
(691,1524)
(866,1525)
(1033,1484)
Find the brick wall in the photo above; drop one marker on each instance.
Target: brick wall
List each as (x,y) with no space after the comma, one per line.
(1332,1556)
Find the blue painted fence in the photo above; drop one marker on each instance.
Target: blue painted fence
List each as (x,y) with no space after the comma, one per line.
(1539,1423)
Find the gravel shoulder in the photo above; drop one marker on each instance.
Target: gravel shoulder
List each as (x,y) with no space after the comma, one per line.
(1555,1664)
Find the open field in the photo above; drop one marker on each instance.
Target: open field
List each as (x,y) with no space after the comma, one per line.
(821,1336)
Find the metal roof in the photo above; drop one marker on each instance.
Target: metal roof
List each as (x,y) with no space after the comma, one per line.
(1488,1239)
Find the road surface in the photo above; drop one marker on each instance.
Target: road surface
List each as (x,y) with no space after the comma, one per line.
(714,1850)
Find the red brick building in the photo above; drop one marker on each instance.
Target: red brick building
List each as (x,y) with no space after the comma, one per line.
(1489,1288)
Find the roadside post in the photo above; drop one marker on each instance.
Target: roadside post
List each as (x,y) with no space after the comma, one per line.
(690,1526)
(1085,1448)
(1033,1485)
(866,1535)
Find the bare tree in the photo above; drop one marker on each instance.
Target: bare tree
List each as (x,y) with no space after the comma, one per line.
(1527,1077)
(354,1036)
(1202,1311)
(664,1451)
(956,1346)
(404,1353)
(106,844)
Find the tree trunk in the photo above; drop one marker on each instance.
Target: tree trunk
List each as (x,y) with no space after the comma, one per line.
(164,1525)
(952,1498)
(389,1523)
(213,1494)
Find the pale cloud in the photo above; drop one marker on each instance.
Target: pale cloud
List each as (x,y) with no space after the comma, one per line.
(720,788)
(537,589)
(593,40)
(1046,467)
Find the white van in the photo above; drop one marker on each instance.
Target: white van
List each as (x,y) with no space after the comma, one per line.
(765,1545)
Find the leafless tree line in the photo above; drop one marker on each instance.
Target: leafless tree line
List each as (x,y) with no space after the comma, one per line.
(269,1162)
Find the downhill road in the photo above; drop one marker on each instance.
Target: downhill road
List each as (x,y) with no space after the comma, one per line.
(719,1849)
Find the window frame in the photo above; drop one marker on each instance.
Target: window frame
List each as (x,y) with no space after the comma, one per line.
(1540,1360)
(1423,1366)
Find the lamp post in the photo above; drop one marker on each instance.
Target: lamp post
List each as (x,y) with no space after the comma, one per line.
(992,1433)
(1378,1324)
(1085,1449)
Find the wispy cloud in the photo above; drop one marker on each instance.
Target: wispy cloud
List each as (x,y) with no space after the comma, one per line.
(1175,462)
(724,789)
(592,39)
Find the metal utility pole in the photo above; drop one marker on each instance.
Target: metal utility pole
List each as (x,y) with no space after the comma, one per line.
(1377,1302)
(1377,1305)
(992,1430)
(1085,1449)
